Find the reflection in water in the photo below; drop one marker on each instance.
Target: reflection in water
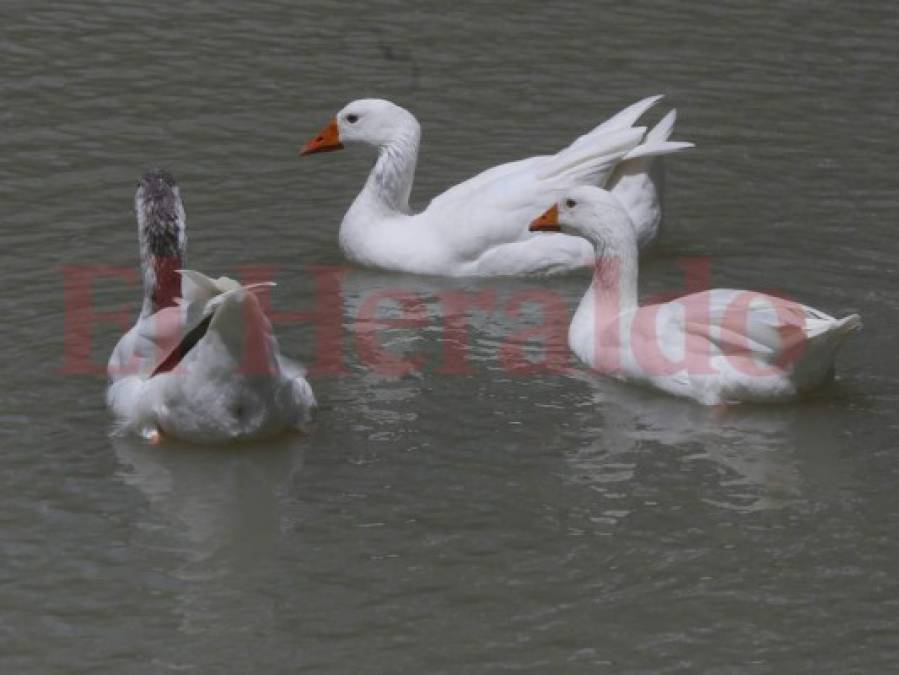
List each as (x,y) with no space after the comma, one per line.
(428,524)
(216,511)
(750,448)
(454,323)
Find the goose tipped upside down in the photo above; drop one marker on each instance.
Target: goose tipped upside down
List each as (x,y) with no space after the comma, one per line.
(201,363)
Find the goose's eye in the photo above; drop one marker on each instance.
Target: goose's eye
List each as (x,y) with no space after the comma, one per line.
(352,119)
(570,203)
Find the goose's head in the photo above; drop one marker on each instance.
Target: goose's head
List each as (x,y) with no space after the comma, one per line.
(374,121)
(589,212)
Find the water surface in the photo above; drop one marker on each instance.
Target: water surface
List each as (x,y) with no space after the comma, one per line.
(502,520)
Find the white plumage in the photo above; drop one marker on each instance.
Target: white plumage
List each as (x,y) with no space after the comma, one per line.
(478,227)
(718,346)
(203,367)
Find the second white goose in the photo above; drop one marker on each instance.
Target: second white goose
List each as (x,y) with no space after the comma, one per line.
(720,346)
(478,227)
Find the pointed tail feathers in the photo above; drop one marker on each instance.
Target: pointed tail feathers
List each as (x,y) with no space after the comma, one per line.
(655,149)
(825,337)
(663,129)
(850,324)
(656,142)
(838,328)
(639,181)
(815,365)
(621,120)
(846,326)
(591,162)
(613,148)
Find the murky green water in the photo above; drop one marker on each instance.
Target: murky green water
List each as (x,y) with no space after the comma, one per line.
(445,523)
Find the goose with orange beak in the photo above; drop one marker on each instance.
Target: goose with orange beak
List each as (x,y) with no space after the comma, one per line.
(478,227)
(548,222)
(720,346)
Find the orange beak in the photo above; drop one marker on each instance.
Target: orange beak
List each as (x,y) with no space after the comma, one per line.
(548,222)
(328,139)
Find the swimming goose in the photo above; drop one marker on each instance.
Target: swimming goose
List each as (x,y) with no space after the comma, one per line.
(720,346)
(479,227)
(201,363)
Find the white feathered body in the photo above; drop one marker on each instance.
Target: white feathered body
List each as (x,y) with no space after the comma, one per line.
(721,346)
(479,227)
(232,384)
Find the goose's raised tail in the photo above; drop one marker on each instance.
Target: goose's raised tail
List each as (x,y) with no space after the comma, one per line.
(639,180)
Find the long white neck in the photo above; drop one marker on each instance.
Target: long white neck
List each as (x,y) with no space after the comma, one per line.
(614,286)
(389,184)
(612,292)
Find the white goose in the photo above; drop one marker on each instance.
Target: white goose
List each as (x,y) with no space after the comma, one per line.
(478,227)
(204,367)
(717,347)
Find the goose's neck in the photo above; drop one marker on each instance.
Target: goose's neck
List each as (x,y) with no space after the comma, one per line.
(389,184)
(613,290)
(162,253)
